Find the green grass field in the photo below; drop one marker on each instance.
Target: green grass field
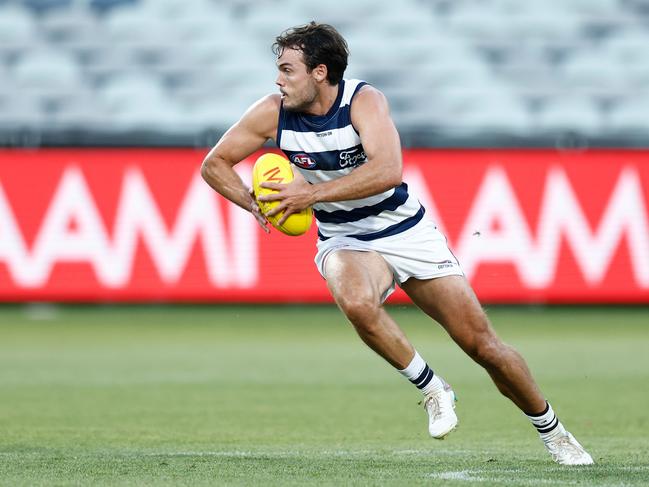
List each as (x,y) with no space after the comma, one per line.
(290,396)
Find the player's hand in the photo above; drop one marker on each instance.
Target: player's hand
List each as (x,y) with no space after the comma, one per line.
(256,212)
(293,197)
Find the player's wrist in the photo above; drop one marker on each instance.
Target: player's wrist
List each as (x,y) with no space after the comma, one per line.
(317,194)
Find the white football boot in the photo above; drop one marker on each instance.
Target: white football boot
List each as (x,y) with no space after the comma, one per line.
(565,450)
(441,415)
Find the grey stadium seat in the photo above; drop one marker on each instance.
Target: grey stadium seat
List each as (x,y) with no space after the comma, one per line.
(441,63)
(570,114)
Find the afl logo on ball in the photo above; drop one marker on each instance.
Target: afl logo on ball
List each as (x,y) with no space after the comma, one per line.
(303,160)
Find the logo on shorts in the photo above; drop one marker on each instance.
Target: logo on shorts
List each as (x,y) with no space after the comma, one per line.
(304,161)
(445,264)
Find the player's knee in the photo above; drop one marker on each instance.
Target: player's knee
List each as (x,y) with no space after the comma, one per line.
(487,351)
(360,308)
(480,342)
(484,346)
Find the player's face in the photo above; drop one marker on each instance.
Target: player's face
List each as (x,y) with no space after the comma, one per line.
(298,88)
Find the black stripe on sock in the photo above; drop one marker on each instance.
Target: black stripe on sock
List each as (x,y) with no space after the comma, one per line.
(426,381)
(543,423)
(547,408)
(549,428)
(421,376)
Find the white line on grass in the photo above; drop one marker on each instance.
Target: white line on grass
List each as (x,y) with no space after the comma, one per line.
(462,475)
(434,452)
(487,475)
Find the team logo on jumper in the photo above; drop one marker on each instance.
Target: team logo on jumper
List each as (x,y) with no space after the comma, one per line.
(304,161)
(353,157)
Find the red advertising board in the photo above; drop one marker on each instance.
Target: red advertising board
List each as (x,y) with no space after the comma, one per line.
(141,225)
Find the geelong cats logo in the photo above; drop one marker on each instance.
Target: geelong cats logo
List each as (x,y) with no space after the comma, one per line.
(353,157)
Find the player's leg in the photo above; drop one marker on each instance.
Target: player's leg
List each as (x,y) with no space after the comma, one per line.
(359,281)
(452,303)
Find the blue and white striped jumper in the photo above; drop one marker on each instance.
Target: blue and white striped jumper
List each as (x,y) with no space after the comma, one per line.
(326,147)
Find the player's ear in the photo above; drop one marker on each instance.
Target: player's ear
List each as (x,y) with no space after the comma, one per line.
(320,73)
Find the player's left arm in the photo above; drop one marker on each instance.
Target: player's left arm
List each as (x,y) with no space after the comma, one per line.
(370,116)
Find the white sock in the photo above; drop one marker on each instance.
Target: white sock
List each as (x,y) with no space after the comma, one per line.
(547,423)
(421,375)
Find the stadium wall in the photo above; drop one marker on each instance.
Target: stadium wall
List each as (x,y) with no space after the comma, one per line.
(137,225)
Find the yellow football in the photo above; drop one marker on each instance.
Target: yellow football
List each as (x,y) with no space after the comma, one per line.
(273,168)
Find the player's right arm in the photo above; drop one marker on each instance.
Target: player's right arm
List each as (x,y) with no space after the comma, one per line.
(248,135)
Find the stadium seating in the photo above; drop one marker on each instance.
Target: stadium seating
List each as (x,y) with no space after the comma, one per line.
(473,66)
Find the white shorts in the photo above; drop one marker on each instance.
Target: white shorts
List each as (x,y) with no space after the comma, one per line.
(420,252)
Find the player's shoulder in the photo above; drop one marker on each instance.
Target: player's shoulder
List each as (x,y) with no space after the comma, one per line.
(261,117)
(266,105)
(369,92)
(369,100)
(369,96)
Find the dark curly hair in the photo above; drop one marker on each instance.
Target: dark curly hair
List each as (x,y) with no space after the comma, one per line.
(320,44)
